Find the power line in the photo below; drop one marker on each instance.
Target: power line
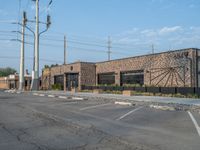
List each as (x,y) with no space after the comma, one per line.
(75,48)
(4,39)
(109,48)
(30,58)
(19,11)
(7,21)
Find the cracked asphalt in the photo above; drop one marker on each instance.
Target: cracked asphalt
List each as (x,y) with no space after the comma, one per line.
(29,122)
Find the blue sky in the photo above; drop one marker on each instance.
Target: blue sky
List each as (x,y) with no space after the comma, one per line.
(133,25)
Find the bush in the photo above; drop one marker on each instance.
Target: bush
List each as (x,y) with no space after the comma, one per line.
(112,92)
(192,96)
(179,95)
(57,87)
(132,85)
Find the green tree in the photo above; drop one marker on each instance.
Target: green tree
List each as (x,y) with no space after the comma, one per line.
(46,66)
(6,71)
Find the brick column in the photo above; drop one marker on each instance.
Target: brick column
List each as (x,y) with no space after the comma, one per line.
(117,78)
(64,84)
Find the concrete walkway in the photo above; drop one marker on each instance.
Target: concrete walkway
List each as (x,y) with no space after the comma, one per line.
(185,101)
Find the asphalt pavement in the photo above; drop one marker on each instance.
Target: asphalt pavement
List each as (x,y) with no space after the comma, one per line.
(53,121)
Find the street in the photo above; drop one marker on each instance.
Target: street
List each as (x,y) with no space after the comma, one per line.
(30,121)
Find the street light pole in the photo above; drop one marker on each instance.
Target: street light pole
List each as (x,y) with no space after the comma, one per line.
(21,74)
(65,47)
(35,73)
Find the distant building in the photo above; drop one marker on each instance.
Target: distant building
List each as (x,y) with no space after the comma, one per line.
(179,68)
(12,82)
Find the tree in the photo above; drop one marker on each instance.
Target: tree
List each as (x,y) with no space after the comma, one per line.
(46,66)
(54,65)
(7,71)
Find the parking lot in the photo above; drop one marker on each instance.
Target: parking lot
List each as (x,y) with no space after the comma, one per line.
(46,121)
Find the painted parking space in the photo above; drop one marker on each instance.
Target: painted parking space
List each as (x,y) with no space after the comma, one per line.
(196,116)
(109,110)
(169,121)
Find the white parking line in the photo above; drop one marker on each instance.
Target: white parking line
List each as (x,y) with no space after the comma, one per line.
(123,103)
(66,103)
(51,96)
(62,97)
(134,110)
(35,94)
(195,122)
(91,107)
(77,98)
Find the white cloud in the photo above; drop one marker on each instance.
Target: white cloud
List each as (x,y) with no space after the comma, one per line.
(148,32)
(163,38)
(167,30)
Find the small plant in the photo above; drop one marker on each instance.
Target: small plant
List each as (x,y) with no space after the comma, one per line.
(192,96)
(132,85)
(113,92)
(57,87)
(179,95)
(86,91)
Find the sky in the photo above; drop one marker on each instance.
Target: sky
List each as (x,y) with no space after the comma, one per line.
(132,25)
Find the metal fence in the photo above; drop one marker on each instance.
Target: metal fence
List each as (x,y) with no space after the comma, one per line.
(162,90)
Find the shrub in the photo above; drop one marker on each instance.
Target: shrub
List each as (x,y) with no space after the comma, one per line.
(57,87)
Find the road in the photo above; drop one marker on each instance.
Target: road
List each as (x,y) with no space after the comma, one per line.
(45,122)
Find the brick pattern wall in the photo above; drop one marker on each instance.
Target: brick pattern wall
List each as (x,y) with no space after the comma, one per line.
(167,69)
(4,83)
(87,74)
(46,79)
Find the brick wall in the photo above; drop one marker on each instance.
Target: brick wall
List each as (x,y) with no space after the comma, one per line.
(87,74)
(168,69)
(176,68)
(46,79)
(4,83)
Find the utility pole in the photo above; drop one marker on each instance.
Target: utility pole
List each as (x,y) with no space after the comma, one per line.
(109,48)
(152,46)
(65,47)
(21,74)
(35,73)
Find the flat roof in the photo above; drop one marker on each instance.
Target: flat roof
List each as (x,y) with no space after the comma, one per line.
(179,50)
(79,62)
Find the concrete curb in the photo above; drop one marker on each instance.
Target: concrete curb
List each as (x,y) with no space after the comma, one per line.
(123,103)
(52,96)
(62,97)
(77,98)
(162,107)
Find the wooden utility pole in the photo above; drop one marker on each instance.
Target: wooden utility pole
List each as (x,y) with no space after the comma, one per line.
(65,48)
(109,48)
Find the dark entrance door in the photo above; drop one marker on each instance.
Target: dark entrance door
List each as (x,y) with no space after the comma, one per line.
(72,80)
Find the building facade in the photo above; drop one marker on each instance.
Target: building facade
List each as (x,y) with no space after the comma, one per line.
(179,68)
(12,82)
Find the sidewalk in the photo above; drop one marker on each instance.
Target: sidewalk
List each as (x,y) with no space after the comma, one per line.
(184,101)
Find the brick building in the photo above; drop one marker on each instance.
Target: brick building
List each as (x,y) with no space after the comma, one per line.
(179,68)
(12,82)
